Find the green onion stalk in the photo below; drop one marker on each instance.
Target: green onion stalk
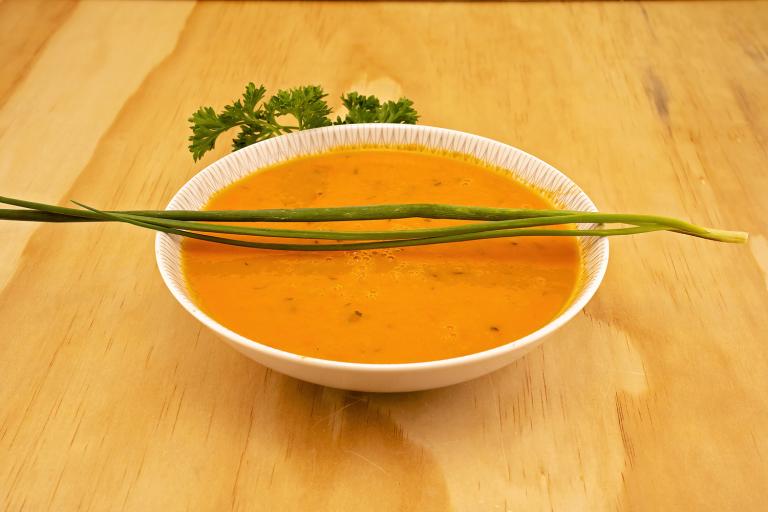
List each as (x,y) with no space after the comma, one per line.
(489,223)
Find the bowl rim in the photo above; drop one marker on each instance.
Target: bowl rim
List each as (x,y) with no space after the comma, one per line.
(328,364)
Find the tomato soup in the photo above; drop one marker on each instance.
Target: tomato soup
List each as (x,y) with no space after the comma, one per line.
(383,306)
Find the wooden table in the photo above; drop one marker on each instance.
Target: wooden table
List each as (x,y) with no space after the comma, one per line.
(655,398)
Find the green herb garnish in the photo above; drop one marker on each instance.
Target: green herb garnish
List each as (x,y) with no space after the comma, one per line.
(498,223)
(287,111)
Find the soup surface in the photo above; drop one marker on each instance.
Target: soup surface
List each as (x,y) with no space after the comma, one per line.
(384,306)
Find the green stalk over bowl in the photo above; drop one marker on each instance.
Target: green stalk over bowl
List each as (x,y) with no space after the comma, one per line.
(500,222)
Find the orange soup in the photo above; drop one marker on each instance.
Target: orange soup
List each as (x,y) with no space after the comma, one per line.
(384,306)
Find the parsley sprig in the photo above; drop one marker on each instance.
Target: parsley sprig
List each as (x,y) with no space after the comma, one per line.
(288,110)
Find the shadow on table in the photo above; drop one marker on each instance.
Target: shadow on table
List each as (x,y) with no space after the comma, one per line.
(384,445)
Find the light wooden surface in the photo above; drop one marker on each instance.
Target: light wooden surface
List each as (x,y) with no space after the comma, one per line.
(113,398)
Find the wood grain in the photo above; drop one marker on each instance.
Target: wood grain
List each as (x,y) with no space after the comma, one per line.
(113,398)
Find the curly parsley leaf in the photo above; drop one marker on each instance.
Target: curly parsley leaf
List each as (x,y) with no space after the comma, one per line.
(306,104)
(206,127)
(259,119)
(368,109)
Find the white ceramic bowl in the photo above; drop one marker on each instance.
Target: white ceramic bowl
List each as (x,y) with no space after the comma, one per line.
(381,377)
